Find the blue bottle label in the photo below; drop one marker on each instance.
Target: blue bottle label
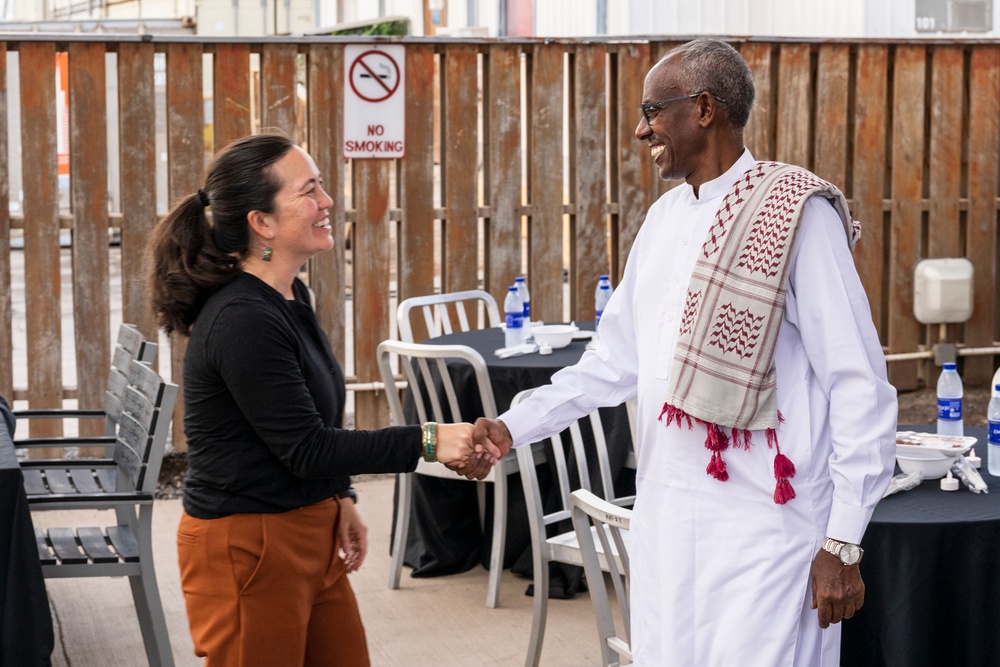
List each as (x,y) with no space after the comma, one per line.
(527,311)
(950,409)
(515,321)
(994,431)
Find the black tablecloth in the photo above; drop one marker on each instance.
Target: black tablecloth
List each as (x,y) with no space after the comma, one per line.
(932,578)
(446,535)
(26,638)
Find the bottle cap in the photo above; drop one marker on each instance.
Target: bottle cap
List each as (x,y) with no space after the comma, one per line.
(948,366)
(519,279)
(603,276)
(512,288)
(949,483)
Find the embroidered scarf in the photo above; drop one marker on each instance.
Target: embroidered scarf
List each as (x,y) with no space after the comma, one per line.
(722,375)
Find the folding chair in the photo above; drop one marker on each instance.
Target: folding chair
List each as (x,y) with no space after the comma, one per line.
(608,535)
(431,385)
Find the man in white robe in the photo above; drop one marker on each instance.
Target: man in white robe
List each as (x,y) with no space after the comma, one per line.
(721,573)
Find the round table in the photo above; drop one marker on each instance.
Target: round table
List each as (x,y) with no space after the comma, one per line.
(932,577)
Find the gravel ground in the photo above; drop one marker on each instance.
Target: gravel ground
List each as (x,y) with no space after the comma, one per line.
(915,407)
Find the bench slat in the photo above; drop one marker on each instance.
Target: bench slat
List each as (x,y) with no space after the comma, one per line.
(108,479)
(59,481)
(34,485)
(64,544)
(96,545)
(41,543)
(84,481)
(125,543)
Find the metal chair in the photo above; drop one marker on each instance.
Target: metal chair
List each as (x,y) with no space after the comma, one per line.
(126,484)
(549,455)
(130,345)
(431,386)
(608,535)
(473,309)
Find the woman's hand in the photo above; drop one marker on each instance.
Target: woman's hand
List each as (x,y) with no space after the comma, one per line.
(353,535)
(456,449)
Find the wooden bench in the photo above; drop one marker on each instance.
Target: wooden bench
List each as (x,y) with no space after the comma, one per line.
(125,483)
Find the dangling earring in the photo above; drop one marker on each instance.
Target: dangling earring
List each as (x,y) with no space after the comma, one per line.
(266,255)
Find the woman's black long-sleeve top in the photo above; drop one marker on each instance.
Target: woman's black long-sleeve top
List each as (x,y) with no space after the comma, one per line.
(264,405)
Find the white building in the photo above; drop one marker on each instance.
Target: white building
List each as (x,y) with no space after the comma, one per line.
(549,18)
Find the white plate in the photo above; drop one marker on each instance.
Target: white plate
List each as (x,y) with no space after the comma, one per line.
(913,442)
(583,335)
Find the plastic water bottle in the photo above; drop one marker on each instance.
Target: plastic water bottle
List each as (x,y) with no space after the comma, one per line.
(993,417)
(522,291)
(949,398)
(514,313)
(601,297)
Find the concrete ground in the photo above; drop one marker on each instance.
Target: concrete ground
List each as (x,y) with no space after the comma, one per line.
(441,621)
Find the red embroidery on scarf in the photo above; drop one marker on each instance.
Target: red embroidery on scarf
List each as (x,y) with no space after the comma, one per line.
(736,332)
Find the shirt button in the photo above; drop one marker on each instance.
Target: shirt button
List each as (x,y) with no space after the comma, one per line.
(684,241)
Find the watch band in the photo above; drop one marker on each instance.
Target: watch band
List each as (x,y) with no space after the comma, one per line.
(849,554)
(349,493)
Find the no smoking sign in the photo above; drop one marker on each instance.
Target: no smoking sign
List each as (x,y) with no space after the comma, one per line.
(374,100)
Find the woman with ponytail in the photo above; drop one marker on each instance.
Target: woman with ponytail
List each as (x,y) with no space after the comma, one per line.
(270,529)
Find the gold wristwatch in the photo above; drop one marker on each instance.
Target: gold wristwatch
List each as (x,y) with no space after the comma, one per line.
(849,554)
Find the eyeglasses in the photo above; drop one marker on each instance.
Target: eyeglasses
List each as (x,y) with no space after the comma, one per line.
(646,107)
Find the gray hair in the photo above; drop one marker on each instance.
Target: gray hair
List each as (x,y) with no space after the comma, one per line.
(713,65)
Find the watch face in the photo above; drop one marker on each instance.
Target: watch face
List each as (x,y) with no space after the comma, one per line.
(850,554)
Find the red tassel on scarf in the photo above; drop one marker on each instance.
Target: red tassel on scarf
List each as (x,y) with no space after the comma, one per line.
(674,415)
(783,468)
(717,467)
(783,492)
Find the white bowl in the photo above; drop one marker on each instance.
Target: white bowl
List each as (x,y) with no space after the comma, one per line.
(933,465)
(554,335)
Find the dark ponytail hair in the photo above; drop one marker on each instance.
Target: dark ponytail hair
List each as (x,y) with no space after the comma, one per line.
(191,257)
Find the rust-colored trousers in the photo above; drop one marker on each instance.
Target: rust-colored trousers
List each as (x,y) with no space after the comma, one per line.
(270,590)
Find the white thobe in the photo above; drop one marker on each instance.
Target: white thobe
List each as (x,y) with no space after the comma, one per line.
(720,573)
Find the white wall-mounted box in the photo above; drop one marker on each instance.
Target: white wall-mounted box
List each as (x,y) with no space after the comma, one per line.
(942,290)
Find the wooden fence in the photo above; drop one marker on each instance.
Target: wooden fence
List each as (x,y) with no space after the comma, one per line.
(506,142)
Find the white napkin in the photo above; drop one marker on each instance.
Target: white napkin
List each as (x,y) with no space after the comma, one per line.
(515,350)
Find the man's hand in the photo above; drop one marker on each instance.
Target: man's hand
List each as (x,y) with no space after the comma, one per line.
(492,433)
(837,589)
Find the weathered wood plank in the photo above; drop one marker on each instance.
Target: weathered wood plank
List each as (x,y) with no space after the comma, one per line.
(327,276)
(231,96)
(461,169)
(89,182)
(6,306)
(944,177)
(416,228)
(794,104)
(981,223)
(635,168)
(589,250)
(278,90)
(869,176)
(371,279)
(502,148)
(41,235)
(186,148)
(137,159)
(830,161)
(759,134)
(545,236)
(907,190)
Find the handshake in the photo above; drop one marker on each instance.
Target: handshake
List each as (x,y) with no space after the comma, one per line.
(468,449)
